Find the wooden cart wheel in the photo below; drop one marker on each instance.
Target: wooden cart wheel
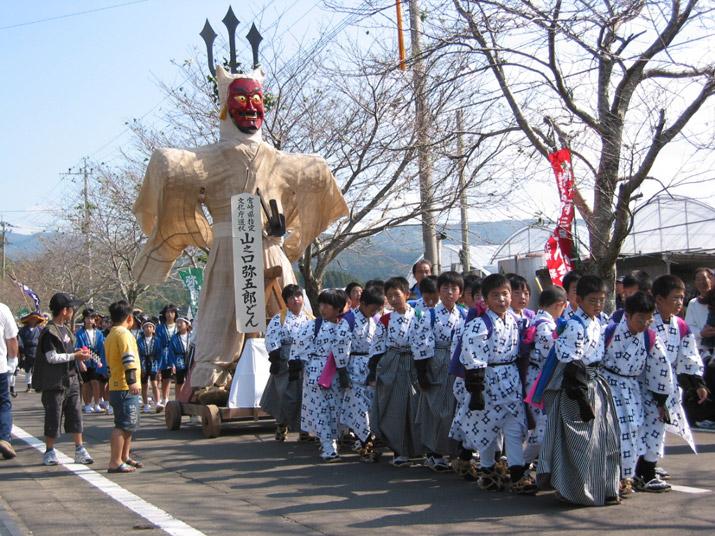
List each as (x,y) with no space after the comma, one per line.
(172,414)
(211,421)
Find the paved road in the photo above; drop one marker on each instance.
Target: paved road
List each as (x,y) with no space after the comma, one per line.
(244,482)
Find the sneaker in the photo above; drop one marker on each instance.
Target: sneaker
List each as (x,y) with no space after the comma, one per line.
(147,408)
(329,450)
(88,409)
(50,458)
(653,486)
(110,410)
(662,473)
(98,408)
(706,424)
(103,404)
(400,461)
(6,449)
(441,465)
(82,456)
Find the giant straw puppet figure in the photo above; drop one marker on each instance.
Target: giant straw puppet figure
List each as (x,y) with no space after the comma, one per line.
(179,181)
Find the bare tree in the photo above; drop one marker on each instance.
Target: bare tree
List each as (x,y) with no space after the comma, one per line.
(616,82)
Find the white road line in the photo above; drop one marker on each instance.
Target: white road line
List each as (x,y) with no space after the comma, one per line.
(148,511)
(688,489)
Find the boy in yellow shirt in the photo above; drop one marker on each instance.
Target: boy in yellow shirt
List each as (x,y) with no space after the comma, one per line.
(120,348)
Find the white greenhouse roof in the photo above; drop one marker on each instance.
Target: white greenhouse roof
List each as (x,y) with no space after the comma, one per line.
(663,224)
(668,223)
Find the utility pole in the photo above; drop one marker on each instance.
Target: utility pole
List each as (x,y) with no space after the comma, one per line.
(422,124)
(84,172)
(464,252)
(4,227)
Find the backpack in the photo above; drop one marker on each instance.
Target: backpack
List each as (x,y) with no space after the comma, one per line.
(326,377)
(648,335)
(534,397)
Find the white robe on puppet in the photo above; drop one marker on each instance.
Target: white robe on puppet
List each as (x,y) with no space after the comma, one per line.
(169,209)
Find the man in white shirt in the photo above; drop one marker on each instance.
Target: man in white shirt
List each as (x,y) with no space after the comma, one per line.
(8,363)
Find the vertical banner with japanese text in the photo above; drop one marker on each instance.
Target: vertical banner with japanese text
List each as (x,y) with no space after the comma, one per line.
(247,237)
(560,244)
(193,278)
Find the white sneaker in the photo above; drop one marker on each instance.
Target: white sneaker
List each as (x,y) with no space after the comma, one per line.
(441,465)
(98,409)
(103,404)
(88,408)
(146,408)
(110,410)
(50,458)
(82,456)
(400,461)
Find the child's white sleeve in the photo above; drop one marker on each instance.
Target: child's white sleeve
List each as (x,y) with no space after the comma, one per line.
(475,345)
(379,341)
(569,346)
(341,346)
(273,333)
(422,338)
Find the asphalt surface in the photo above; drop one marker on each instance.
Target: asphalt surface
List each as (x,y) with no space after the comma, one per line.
(244,482)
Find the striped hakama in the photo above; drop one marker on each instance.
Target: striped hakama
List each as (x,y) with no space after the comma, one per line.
(393,414)
(282,399)
(581,460)
(435,408)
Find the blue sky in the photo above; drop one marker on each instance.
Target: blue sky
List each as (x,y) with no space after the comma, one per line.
(75,70)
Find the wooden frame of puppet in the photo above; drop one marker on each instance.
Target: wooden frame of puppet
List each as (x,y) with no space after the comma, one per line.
(169,209)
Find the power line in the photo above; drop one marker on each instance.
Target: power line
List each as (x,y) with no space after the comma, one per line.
(70,15)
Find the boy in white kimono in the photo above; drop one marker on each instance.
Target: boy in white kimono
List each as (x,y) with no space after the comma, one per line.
(392,371)
(580,455)
(542,334)
(636,369)
(496,403)
(431,346)
(352,353)
(311,351)
(687,370)
(429,294)
(465,464)
(282,399)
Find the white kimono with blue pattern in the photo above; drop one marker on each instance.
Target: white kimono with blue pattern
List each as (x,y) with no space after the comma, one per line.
(683,358)
(633,373)
(352,350)
(319,412)
(502,386)
(543,341)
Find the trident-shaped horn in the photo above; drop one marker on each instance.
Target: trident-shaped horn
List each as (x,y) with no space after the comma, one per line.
(231,23)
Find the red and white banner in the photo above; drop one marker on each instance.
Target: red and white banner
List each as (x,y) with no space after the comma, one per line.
(560,244)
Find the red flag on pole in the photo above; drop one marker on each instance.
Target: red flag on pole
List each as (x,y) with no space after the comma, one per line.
(560,244)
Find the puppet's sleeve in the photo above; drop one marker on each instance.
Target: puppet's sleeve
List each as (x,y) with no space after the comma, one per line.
(311,204)
(170,214)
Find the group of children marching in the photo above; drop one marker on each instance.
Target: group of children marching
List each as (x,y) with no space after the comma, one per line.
(468,379)
(163,345)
